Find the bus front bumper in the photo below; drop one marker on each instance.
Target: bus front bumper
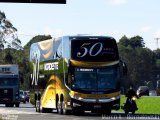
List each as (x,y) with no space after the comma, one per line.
(90,104)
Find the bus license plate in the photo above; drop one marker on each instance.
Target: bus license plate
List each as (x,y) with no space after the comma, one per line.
(97,106)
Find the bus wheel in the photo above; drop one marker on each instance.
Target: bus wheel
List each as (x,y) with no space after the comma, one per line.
(65,111)
(59,108)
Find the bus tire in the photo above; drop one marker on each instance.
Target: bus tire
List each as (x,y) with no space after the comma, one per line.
(65,111)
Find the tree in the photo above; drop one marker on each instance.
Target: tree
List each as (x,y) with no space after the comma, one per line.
(124,41)
(157,70)
(136,42)
(8,58)
(8,36)
(133,42)
(140,61)
(157,53)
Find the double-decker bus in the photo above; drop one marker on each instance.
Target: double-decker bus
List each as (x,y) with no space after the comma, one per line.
(77,73)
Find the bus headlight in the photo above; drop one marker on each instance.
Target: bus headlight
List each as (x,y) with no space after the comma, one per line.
(113,98)
(77,97)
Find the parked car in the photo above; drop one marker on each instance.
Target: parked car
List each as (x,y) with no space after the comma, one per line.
(143,91)
(22,96)
(152,93)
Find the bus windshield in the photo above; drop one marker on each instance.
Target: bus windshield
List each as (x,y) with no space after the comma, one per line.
(107,78)
(85,80)
(8,81)
(96,80)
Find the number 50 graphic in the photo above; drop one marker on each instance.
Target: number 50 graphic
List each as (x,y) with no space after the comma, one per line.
(85,49)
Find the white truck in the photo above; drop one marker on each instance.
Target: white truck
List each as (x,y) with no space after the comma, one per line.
(9,85)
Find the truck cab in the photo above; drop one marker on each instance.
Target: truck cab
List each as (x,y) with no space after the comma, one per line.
(9,85)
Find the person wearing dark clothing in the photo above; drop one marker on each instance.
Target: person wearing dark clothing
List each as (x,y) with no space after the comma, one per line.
(35,98)
(131,93)
(39,96)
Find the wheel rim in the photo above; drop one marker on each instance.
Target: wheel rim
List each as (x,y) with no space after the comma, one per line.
(59,108)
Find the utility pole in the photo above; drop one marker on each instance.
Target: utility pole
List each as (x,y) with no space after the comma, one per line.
(157,41)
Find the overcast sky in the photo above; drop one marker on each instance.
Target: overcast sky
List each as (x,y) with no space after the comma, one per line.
(101,17)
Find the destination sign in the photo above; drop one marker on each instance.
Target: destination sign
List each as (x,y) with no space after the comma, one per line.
(94,50)
(51,66)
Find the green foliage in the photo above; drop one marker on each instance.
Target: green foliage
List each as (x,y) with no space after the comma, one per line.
(136,42)
(133,42)
(158,63)
(157,53)
(124,41)
(141,61)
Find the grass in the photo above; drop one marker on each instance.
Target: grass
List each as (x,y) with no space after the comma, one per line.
(146,104)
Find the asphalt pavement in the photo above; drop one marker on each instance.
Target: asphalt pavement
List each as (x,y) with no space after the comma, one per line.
(28,112)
